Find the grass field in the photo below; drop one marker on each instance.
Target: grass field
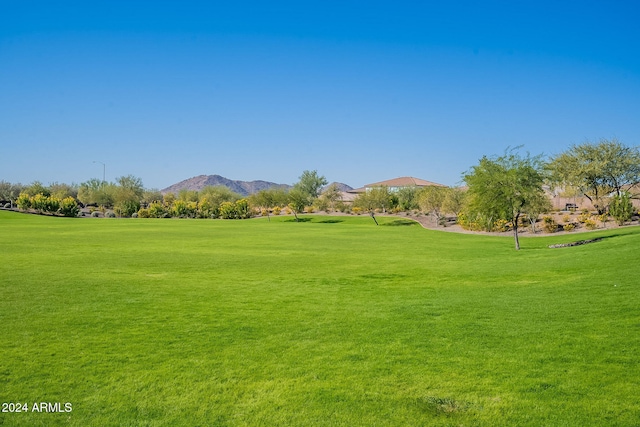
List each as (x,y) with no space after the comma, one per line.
(328,322)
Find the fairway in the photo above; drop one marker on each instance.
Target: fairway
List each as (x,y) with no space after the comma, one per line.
(332,321)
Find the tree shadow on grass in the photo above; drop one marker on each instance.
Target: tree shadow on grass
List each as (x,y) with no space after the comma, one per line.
(330,221)
(399,223)
(298,220)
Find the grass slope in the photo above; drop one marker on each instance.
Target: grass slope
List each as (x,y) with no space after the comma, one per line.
(327,322)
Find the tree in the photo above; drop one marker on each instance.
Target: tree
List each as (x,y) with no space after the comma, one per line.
(218,194)
(431,199)
(504,187)
(96,192)
(298,200)
(454,201)
(597,170)
(127,195)
(408,198)
(373,199)
(10,192)
(331,195)
(536,205)
(36,188)
(305,191)
(62,191)
(268,198)
(150,196)
(311,183)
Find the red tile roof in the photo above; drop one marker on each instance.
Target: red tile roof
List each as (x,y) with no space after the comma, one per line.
(404,181)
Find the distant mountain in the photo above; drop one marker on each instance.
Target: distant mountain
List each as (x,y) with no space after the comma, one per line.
(340,185)
(243,188)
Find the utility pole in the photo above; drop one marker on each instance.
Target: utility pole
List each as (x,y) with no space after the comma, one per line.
(104,171)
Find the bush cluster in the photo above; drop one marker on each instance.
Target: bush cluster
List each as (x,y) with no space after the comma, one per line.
(48,204)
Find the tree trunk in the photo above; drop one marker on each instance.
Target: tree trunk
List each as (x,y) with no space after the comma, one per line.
(373,216)
(515,232)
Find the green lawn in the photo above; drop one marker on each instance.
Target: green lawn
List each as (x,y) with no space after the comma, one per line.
(327,322)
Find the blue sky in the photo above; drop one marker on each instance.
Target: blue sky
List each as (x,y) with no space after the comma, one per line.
(361,91)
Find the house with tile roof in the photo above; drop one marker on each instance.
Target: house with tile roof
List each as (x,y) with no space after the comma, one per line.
(396,184)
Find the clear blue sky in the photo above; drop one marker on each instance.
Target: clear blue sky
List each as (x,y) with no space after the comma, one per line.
(361,91)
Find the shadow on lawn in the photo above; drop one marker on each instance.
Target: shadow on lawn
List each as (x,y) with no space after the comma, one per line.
(324,221)
(399,223)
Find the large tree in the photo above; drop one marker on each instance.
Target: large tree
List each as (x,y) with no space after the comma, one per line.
(305,191)
(311,183)
(597,170)
(431,200)
(268,198)
(374,198)
(504,187)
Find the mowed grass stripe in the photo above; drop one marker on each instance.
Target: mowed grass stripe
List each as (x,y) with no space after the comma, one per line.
(332,321)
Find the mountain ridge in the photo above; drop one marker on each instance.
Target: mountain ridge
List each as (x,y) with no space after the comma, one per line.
(244,188)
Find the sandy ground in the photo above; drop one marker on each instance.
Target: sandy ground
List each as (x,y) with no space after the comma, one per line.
(428,222)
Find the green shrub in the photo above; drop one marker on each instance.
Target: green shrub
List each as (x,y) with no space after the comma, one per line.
(583,217)
(502,225)
(126,208)
(590,223)
(227,210)
(143,213)
(549,224)
(69,207)
(24,201)
(156,210)
(242,209)
(621,208)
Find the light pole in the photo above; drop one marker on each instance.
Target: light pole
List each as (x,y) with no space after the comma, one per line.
(104,171)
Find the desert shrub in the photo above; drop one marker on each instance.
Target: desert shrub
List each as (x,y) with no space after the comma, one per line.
(308,209)
(584,217)
(69,207)
(143,213)
(566,218)
(322,204)
(242,208)
(277,210)
(590,223)
(604,218)
(621,208)
(206,209)
(501,225)
(569,227)
(179,209)
(356,210)
(227,210)
(23,201)
(156,210)
(549,224)
(126,208)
